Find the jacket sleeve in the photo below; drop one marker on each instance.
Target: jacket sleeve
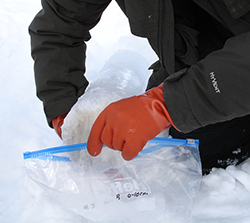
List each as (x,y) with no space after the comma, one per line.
(215,89)
(58,34)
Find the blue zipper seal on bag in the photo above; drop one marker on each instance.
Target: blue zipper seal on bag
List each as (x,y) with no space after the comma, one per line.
(170,142)
(48,154)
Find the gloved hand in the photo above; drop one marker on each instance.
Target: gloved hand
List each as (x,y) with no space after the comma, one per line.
(57,124)
(128,124)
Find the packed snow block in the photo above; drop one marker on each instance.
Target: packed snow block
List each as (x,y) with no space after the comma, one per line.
(125,74)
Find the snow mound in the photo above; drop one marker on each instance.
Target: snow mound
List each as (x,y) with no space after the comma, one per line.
(224,196)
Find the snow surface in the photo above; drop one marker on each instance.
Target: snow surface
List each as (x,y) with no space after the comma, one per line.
(224,196)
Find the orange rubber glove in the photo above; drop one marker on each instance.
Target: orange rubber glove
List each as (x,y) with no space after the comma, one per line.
(57,124)
(128,124)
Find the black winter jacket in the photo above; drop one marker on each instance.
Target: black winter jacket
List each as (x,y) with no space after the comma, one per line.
(203,48)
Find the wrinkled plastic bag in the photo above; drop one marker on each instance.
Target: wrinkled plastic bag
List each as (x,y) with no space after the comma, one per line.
(159,185)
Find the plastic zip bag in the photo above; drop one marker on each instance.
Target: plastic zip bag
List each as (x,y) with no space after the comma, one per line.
(159,185)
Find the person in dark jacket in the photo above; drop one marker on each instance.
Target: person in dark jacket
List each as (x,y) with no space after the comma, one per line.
(199,87)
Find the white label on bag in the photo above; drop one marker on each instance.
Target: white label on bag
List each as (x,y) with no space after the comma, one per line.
(127,189)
